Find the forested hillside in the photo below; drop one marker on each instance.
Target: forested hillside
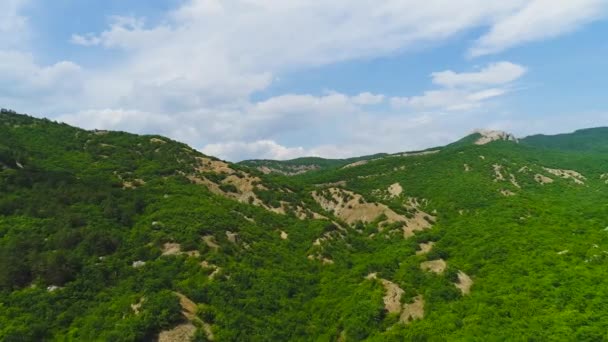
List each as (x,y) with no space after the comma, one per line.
(119,237)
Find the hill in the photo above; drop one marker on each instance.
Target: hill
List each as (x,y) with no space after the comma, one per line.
(584,140)
(115,236)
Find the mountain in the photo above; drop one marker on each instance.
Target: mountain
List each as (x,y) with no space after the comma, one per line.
(115,236)
(302,165)
(584,140)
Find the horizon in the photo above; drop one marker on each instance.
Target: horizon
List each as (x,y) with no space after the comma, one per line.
(337,80)
(475,131)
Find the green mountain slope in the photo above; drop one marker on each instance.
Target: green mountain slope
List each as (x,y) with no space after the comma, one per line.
(114,236)
(584,140)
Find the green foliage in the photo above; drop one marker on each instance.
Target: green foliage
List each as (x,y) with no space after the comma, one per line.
(71,232)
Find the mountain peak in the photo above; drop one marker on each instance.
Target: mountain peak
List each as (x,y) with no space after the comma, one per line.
(488,136)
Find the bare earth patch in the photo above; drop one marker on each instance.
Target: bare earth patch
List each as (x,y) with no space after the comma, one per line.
(182,332)
(352,207)
(358,163)
(170,248)
(136,306)
(210,242)
(467,168)
(284,236)
(498,176)
(464,283)
(413,310)
(392,301)
(392,298)
(542,179)
(507,193)
(567,174)
(425,247)
(436,266)
(514,181)
(395,190)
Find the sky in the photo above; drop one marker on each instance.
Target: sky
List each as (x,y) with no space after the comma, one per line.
(281,79)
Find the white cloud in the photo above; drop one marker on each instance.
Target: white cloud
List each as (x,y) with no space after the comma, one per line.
(261,149)
(13,25)
(192,74)
(368,99)
(24,82)
(464,91)
(537,20)
(493,74)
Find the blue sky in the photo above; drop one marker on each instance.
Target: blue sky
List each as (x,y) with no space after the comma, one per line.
(282,79)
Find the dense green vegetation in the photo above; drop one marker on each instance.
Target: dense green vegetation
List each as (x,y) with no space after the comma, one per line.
(85,217)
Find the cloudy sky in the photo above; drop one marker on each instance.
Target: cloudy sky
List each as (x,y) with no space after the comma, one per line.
(287,78)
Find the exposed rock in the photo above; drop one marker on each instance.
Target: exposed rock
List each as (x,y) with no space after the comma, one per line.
(53,288)
(157,141)
(138,264)
(488,136)
(467,168)
(284,236)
